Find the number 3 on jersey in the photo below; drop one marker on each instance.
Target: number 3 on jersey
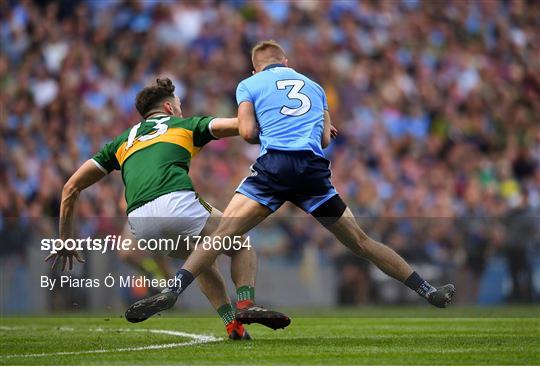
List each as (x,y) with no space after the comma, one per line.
(294,93)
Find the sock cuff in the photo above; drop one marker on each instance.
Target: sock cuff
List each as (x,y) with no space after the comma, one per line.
(225,308)
(414,281)
(419,285)
(245,293)
(185,278)
(226,312)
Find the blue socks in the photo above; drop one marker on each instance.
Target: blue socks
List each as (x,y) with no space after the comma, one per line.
(419,285)
(183,279)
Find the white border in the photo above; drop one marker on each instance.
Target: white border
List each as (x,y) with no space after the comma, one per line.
(102,169)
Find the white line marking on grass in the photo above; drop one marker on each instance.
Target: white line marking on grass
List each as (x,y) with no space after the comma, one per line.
(196,339)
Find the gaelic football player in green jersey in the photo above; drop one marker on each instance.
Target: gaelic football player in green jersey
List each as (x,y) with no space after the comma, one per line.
(154,158)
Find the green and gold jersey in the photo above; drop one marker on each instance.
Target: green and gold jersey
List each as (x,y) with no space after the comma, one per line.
(154,156)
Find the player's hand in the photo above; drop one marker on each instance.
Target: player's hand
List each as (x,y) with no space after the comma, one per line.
(333,132)
(65,256)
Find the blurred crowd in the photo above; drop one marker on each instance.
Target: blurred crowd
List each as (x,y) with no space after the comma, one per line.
(437,104)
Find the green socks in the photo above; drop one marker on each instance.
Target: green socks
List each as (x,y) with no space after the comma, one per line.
(245,296)
(226,312)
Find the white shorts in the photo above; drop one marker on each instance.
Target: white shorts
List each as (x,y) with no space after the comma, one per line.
(179,213)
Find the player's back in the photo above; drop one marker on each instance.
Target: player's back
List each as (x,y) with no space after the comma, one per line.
(289,108)
(154,156)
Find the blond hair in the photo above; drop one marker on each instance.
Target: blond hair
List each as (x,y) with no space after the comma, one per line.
(266,52)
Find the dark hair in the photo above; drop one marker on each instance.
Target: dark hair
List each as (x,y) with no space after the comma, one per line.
(151,97)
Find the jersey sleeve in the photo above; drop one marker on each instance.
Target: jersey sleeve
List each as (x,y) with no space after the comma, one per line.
(324,101)
(202,133)
(105,159)
(323,95)
(242,94)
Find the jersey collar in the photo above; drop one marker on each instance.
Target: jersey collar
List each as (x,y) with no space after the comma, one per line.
(155,116)
(271,66)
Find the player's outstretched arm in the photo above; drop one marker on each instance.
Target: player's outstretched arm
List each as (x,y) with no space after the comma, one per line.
(85,176)
(247,123)
(224,127)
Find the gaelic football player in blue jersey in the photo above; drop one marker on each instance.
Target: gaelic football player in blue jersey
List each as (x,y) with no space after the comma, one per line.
(287,114)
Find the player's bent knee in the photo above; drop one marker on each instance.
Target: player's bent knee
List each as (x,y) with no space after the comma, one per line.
(330,211)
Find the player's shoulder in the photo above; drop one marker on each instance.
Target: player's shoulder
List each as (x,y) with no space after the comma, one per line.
(313,84)
(185,122)
(119,139)
(309,80)
(290,73)
(317,85)
(249,81)
(189,123)
(261,79)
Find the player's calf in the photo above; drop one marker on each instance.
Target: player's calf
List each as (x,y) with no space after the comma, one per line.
(348,232)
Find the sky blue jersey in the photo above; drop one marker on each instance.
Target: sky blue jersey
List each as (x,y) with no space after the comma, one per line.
(289,108)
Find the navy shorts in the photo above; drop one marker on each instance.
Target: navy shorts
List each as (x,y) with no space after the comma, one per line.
(300,177)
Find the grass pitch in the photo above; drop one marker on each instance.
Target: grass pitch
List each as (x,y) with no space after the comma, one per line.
(350,337)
